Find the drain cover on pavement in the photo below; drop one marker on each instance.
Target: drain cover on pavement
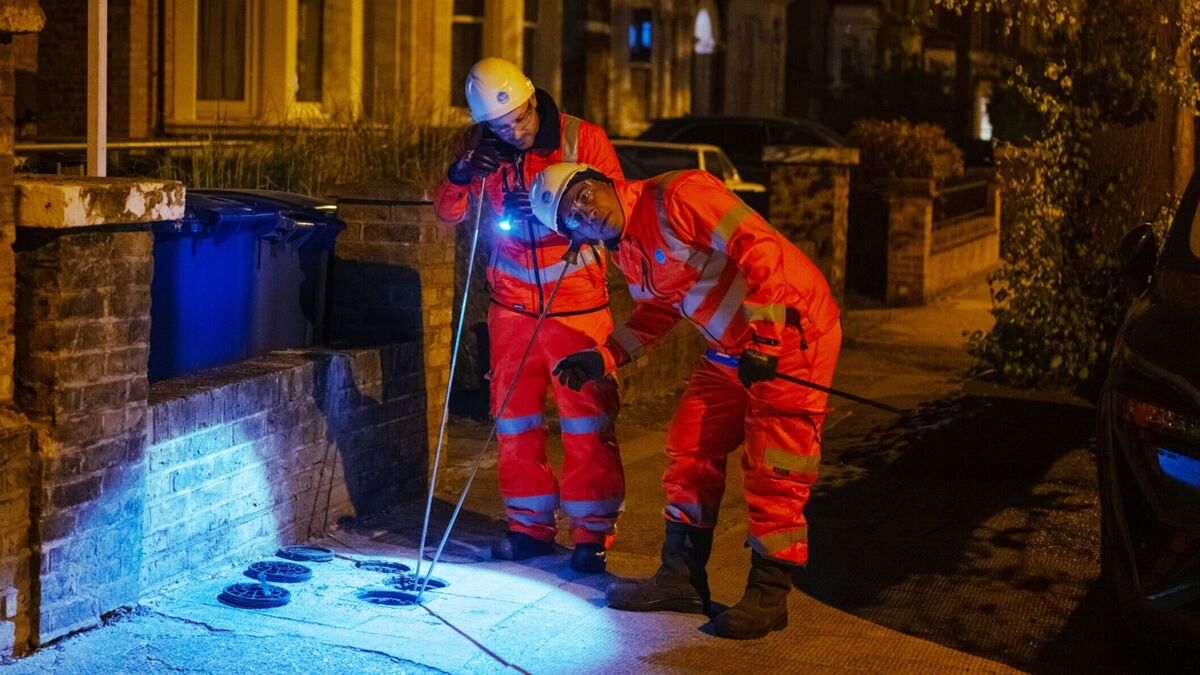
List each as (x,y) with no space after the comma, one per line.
(255,595)
(382,566)
(377,596)
(407,582)
(305,553)
(275,570)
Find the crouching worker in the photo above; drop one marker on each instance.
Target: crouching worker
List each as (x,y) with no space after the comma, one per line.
(690,248)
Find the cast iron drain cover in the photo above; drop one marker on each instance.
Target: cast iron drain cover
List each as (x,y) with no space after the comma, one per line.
(305,553)
(255,595)
(382,566)
(406,582)
(388,598)
(274,570)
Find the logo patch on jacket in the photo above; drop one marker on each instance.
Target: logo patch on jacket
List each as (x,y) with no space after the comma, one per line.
(660,257)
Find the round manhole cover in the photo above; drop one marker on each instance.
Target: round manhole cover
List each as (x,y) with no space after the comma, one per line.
(378,596)
(275,570)
(407,582)
(382,566)
(305,553)
(255,595)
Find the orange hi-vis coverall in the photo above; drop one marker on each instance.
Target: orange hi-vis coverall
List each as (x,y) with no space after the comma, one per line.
(525,263)
(692,249)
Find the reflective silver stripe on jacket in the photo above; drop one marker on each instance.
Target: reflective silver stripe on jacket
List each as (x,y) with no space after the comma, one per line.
(570,139)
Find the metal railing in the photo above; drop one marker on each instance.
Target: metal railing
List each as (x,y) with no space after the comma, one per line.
(961,202)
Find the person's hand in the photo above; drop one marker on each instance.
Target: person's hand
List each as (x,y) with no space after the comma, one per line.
(580,368)
(756,367)
(516,205)
(478,161)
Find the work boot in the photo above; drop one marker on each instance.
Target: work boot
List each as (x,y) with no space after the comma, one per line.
(588,558)
(680,585)
(763,608)
(520,546)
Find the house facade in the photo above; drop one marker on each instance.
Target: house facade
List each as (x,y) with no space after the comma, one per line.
(182,67)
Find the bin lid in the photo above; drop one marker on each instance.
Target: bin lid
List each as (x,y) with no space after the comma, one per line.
(207,213)
(288,203)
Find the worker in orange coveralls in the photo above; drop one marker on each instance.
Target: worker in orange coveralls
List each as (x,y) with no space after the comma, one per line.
(519,131)
(690,248)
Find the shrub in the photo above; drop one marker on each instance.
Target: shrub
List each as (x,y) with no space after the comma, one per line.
(900,149)
(1059,298)
(310,159)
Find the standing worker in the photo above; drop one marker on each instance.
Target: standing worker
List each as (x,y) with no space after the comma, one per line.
(519,131)
(689,247)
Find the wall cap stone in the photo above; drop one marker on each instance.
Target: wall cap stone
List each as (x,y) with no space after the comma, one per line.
(61,202)
(381,191)
(911,187)
(21,16)
(803,154)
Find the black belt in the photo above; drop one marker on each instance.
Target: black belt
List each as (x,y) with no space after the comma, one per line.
(535,315)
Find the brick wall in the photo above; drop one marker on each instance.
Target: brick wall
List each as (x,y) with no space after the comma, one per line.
(925,258)
(393,280)
(264,453)
(809,202)
(83,328)
(83,269)
(910,227)
(7,223)
(15,437)
(14,533)
(62,69)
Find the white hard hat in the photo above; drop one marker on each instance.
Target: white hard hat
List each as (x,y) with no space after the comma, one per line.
(496,87)
(547,190)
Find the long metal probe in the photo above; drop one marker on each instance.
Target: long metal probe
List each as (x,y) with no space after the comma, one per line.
(840,394)
(462,318)
(570,258)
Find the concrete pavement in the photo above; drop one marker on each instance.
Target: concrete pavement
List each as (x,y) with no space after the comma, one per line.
(938,546)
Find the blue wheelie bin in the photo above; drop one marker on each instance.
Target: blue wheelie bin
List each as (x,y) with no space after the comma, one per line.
(291,269)
(243,274)
(203,289)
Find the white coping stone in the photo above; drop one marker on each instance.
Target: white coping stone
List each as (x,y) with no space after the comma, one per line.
(61,202)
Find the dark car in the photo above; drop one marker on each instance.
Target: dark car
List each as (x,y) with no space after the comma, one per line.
(1149,438)
(742,138)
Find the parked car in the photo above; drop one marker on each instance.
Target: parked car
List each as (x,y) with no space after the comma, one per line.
(643,159)
(1149,438)
(742,138)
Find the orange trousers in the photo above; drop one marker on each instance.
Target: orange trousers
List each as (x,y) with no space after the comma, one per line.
(780,423)
(592,491)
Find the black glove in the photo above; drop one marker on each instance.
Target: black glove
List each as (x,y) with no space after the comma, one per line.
(516,205)
(480,160)
(580,368)
(756,367)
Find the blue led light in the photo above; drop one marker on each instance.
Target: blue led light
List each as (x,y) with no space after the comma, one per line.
(1183,469)
(504,225)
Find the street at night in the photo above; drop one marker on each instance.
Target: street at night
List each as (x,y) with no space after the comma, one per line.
(599,336)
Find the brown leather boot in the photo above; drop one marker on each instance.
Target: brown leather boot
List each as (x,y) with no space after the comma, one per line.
(763,608)
(680,585)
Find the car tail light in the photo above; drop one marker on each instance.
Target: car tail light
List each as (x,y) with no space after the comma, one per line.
(1162,420)
(1168,443)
